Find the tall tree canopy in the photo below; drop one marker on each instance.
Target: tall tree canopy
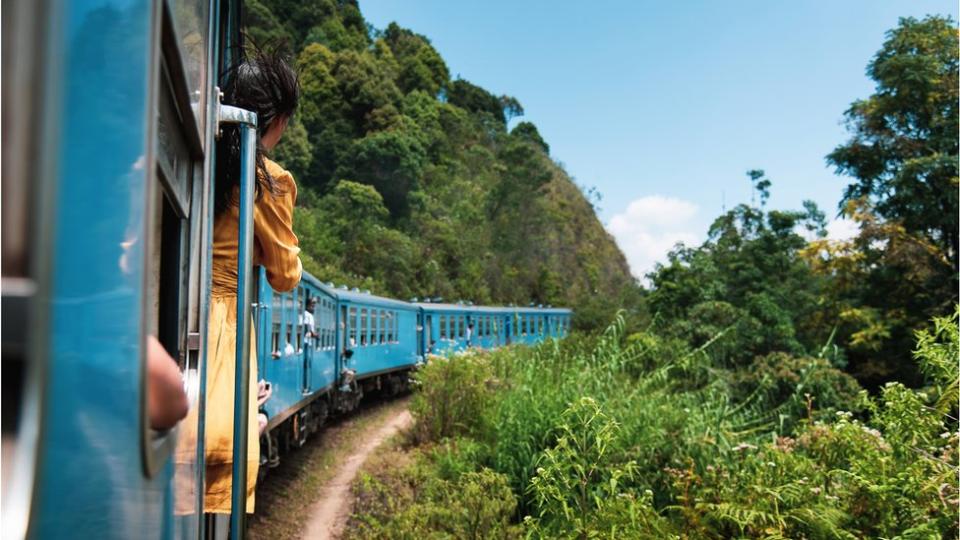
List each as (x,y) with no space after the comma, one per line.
(904,148)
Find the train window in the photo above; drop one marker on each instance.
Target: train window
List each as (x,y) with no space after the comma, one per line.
(290,316)
(364,327)
(460,326)
(352,323)
(331,325)
(324,324)
(382,334)
(391,335)
(396,327)
(301,309)
(383,326)
(276,312)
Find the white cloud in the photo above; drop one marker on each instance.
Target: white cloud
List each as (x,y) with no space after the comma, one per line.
(842,229)
(650,227)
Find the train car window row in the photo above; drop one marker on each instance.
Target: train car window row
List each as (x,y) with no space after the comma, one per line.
(367,327)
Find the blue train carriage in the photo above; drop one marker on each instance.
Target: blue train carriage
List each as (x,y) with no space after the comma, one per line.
(297,360)
(446,328)
(531,325)
(455,327)
(107,207)
(377,345)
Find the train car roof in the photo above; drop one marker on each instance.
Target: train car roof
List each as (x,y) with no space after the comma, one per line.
(356,296)
(465,308)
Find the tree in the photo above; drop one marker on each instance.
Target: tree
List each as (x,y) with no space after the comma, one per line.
(475,99)
(904,148)
(391,161)
(527,131)
(747,282)
(421,66)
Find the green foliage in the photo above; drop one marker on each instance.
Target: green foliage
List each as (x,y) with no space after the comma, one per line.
(750,280)
(453,399)
(903,152)
(577,489)
(529,132)
(475,212)
(904,148)
(475,505)
(390,161)
(420,65)
(659,451)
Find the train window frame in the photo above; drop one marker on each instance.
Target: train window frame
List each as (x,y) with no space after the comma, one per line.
(352,321)
(377,337)
(390,333)
(383,326)
(291,321)
(176,181)
(364,327)
(301,308)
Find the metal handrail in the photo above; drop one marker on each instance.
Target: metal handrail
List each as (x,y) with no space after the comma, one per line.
(247,121)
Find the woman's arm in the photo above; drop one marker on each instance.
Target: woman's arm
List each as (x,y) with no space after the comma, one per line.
(166,400)
(273,228)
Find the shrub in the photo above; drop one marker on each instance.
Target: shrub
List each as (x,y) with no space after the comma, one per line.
(453,398)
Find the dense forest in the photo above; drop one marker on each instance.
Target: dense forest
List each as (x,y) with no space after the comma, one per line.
(411,185)
(770,382)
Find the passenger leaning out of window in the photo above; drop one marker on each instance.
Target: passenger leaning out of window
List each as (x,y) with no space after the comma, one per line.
(265,84)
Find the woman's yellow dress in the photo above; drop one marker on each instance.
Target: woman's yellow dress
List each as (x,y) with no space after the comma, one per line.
(276,248)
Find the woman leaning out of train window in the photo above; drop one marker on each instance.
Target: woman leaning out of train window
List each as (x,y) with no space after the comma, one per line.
(265,84)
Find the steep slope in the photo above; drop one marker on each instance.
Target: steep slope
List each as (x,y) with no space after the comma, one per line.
(411,183)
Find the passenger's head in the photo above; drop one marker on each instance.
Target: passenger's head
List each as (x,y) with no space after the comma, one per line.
(311,304)
(264,83)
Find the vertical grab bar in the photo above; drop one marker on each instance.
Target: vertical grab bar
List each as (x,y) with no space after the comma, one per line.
(247,122)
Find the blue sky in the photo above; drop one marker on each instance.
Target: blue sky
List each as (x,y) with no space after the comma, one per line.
(663,106)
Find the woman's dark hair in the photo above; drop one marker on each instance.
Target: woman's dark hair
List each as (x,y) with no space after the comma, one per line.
(263,83)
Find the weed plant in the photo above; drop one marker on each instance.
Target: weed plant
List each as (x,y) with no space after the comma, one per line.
(639,436)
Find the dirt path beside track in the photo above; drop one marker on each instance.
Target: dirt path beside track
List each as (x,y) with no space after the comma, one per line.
(328,516)
(308,495)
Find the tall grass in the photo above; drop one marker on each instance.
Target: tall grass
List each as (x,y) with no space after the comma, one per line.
(639,436)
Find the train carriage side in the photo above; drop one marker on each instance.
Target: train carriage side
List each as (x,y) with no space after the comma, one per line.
(532,325)
(107,205)
(299,367)
(379,333)
(445,326)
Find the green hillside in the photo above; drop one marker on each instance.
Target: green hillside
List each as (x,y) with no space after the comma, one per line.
(413,186)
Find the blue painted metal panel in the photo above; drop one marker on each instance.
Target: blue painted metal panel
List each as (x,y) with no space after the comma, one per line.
(370,356)
(91,480)
(306,366)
